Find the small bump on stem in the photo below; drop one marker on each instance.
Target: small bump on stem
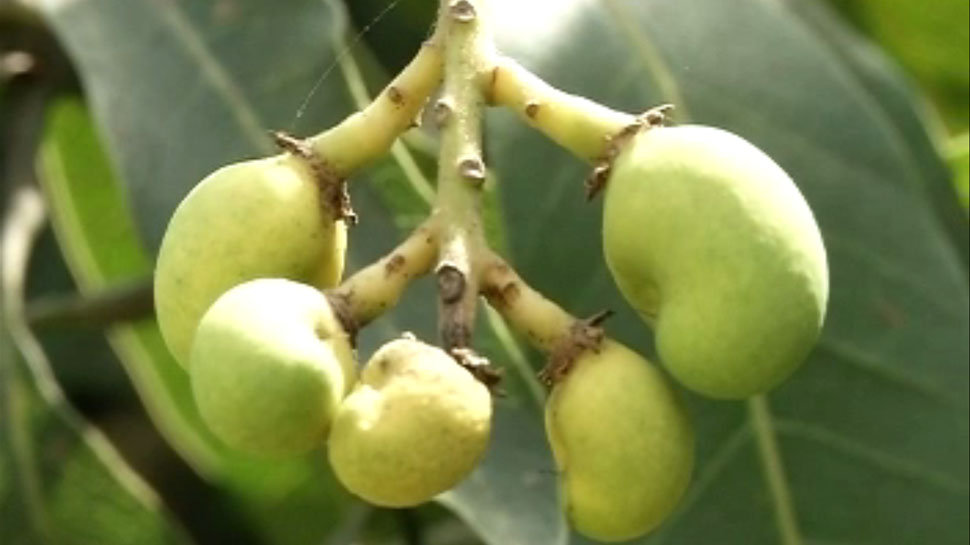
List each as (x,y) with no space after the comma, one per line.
(442,111)
(451,283)
(462,11)
(473,170)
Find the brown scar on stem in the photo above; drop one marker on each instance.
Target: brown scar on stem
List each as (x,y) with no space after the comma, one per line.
(333,188)
(395,95)
(394,264)
(503,296)
(532,109)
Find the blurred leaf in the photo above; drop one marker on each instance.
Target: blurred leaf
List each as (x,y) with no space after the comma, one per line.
(931,40)
(899,105)
(959,158)
(60,480)
(392,29)
(872,434)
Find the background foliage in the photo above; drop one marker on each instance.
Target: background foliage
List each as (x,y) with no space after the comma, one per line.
(867,444)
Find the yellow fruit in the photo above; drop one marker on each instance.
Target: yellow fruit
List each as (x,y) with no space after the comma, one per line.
(622,442)
(714,245)
(414,426)
(269,367)
(255,219)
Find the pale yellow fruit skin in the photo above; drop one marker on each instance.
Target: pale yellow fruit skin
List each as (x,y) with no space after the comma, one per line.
(414,426)
(714,245)
(622,442)
(269,367)
(255,219)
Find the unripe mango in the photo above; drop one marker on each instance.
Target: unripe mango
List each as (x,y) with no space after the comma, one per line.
(414,426)
(714,245)
(622,442)
(269,367)
(256,219)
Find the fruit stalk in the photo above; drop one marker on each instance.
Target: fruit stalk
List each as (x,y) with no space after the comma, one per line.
(461,173)
(582,126)
(367,135)
(376,288)
(542,322)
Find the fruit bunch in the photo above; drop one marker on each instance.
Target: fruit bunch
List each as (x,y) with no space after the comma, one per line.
(706,237)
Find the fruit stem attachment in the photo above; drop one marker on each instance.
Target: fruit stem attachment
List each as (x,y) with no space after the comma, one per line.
(463,25)
(547,326)
(543,323)
(367,135)
(376,288)
(580,125)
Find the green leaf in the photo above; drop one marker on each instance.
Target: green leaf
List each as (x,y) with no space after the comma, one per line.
(61,481)
(867,443)
(931,40)
(959,157)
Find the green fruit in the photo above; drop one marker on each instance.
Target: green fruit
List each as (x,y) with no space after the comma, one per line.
(714,245)
(622,441)
(415,425)
(256,219)
(269,367)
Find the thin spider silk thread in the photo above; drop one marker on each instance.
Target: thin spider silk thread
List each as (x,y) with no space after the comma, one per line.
(346,50)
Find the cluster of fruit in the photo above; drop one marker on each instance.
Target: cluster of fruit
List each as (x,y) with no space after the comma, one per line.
(706,237)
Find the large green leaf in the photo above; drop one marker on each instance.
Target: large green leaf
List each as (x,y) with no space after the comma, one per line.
(867,444)
(61,481)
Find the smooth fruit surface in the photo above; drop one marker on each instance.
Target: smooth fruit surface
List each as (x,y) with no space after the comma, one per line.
(269,367)
(622,441)
(714,245)
(414,426)
(255,219)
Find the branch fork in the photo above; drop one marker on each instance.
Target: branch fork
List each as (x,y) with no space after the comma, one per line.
(451,242)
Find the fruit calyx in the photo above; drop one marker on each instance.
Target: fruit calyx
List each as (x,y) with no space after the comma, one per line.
(584,335)
(333,188)
(654,117)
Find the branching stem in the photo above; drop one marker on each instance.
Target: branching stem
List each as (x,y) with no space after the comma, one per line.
(368,134)
(461,167)
(541,321)
(452,240)
(375,289)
